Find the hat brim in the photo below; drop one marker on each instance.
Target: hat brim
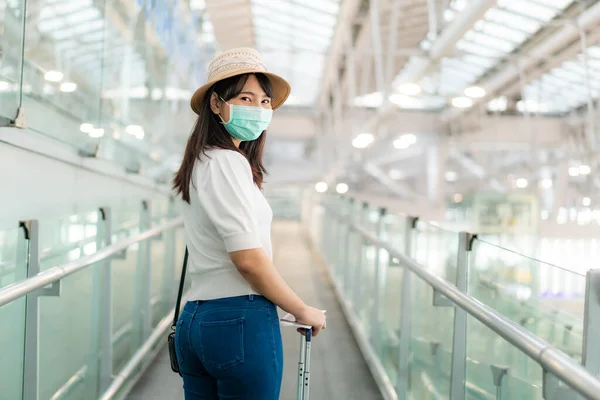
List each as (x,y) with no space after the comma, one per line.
(281,89)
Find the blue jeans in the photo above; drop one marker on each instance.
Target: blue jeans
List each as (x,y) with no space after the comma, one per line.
(230,349)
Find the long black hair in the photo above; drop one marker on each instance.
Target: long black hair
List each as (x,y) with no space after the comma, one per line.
(209,133)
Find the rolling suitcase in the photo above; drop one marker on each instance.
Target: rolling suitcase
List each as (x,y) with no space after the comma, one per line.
(304,366)
(304,360)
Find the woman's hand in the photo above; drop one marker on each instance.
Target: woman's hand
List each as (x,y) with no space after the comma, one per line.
(313,317)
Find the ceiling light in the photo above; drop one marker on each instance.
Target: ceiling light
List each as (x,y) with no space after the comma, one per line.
(409,138)
(96,133)
(475,92)
(400,144)
(546,183)
(86,128)
(573,171)
(135,130)
(362,140)
(68,87)
(4,86)
(321,187)
(404,141)
(451,176)
(53,76)
(457,198)
(586,201)
(584,169)
(341,188)
(462,102)
(410,89)
(522,183)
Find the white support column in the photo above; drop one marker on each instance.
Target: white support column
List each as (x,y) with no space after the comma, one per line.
(436,183)
(591,121)
(433,19)
(392,44)
(376,44)
(350,69)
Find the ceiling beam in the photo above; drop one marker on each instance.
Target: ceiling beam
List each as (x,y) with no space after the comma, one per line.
(347,14)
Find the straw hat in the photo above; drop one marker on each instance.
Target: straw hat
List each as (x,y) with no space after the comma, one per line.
(240,61)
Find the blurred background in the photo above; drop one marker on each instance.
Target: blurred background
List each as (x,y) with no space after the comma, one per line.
(472,115)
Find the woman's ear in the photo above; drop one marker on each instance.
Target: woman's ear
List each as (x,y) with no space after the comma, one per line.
(215,103)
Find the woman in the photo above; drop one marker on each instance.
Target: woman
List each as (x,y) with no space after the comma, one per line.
(228,338)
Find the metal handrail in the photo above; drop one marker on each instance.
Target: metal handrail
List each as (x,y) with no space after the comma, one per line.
(551,359)
(19,289)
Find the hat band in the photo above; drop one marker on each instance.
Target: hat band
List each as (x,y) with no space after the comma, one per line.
(236,66)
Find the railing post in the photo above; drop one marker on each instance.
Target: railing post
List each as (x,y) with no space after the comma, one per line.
(375,315)
(349,260)
(106,326)
(591,323)
(170,279)
(405,317)
(99,365)
(459,340)
(360,263)
(337,226)
(31,367)
(142,321)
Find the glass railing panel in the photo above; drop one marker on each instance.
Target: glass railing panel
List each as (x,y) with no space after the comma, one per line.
(430,344)
(393,231)
(65,339)
(63,70)
(13,269)
(436,249)
(541,297)
(124,270)
(487,352)
(67,239)
(11,62)
(159,210)
(164,279)
(126,218)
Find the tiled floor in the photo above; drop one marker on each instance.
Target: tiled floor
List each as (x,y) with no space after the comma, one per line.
(338,371)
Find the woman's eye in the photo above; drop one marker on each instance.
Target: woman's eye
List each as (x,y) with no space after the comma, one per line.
(246,99)
(266,101)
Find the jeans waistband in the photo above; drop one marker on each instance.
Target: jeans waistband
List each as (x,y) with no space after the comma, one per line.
(192,305)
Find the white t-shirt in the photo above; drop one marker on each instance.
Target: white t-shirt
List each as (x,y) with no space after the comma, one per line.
(227,212)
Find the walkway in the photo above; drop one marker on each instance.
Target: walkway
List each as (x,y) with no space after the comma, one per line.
(338,370)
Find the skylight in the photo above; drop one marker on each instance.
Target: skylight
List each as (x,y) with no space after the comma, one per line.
(293,36)
(564,87)
(503,29)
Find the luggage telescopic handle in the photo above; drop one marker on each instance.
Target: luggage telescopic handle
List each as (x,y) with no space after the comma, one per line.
(304,365)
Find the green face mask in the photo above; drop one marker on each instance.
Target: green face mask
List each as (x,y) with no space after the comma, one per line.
(247,123)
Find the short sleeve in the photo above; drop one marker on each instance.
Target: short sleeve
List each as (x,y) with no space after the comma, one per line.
(226,192)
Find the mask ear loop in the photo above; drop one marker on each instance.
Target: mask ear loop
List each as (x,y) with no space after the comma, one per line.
(223,100)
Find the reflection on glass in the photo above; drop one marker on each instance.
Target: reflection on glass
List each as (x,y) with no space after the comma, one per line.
(11,45)
(543,298)
(436,249)
(105,79)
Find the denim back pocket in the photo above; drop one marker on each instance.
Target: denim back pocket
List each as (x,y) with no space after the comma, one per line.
(222,343)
